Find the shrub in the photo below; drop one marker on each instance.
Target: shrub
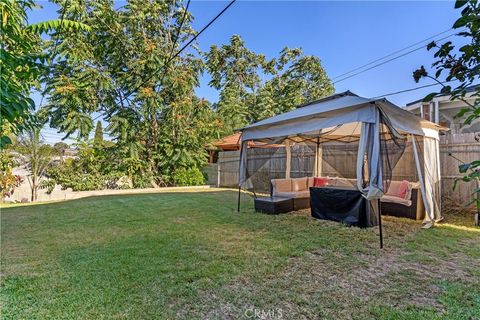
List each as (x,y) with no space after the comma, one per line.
(188,177)
(8,181)
(69,177)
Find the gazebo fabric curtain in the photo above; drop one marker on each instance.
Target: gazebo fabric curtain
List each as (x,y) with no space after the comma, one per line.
(345,118)
(370,147)
(428,168)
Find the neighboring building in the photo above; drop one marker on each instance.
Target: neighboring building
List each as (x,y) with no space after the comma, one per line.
(228,143)
(232,143)
(442,110)
(70,153)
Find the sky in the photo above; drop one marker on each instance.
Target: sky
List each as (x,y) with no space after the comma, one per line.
(343,34)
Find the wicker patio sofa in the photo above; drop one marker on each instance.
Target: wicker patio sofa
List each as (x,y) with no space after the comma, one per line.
(394,203)
(409,205)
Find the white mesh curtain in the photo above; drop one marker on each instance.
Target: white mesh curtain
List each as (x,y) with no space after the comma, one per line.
(427,160)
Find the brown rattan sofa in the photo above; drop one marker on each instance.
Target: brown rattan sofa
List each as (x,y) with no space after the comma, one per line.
(298,189)
(408,206)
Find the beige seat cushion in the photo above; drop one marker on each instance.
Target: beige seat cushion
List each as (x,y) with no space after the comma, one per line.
(344,182)
(332,181)
(395,189)
(295,195)
(411,186)
(281,185)
(299,184)
(397,200)
(310,182)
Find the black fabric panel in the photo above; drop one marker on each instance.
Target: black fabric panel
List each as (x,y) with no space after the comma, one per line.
(343,205)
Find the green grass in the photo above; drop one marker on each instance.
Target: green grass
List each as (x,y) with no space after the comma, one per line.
(191,255)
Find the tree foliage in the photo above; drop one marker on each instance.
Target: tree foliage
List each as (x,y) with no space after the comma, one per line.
(22,62)
(117,68)
(8,180)
(253,87)
(19,68)
(98,137)
(463,66)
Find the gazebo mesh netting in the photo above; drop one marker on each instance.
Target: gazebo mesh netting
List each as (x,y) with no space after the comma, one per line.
(331,153)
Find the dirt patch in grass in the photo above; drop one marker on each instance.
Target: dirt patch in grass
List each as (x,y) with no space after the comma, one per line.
(332,284)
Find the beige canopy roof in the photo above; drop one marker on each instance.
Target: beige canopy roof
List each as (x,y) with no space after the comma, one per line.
(342,114)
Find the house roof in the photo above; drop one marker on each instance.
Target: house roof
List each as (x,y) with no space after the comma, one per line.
(231,142)
(469,89)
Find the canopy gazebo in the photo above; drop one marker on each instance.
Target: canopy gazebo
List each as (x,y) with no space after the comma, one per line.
(377,129)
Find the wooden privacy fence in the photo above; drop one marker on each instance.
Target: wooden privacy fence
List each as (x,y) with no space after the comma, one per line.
(269,163)
(464,147)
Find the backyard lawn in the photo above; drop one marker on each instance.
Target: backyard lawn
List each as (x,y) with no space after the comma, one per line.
(190,255)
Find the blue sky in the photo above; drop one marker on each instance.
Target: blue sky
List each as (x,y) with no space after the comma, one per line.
(343,34)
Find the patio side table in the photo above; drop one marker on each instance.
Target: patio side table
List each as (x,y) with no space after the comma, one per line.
(273,205)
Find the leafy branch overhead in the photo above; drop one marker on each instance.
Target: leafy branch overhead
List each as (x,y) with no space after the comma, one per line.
(461,66)
(61,25)
(23,63)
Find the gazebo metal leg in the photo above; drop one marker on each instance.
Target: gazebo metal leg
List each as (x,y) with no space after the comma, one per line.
(239,192)
(380,223)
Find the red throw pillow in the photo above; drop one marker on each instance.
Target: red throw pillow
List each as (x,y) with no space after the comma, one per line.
(320,182)
(402,192)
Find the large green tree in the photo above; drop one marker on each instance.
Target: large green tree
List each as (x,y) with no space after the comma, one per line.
(98,137)
(120,70)
(19,68)
(253,87)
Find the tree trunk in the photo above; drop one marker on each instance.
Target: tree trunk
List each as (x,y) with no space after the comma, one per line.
(34,189)
(34,192)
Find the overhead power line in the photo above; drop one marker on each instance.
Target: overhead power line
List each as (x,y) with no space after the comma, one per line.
(389,60)
(412,89)
(391,54)
(183,48)
(167,63)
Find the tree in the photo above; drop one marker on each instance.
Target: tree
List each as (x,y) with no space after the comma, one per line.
(462,65)
(19,69)
(60,147)
(22,62)
(98,138)
(119,71)
(297,79)
(38,157)
(253,88)
(236,72)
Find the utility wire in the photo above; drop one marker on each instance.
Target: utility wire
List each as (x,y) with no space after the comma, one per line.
(412,89)
(183,48)
(177,35)
(389,60)
(167,63)
(391,54)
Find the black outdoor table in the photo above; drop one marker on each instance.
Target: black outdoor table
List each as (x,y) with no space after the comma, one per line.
(346,205)
(273,205)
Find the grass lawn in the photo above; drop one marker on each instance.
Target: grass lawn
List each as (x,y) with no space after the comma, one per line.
(191,255)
